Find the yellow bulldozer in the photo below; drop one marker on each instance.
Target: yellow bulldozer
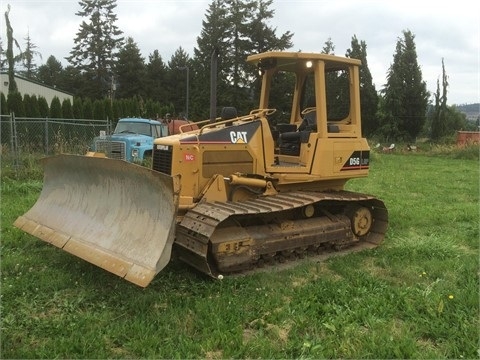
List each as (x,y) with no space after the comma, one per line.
(238,193)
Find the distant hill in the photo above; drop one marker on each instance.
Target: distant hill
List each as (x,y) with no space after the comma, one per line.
(472,111)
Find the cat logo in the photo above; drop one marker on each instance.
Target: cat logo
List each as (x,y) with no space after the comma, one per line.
(238,137)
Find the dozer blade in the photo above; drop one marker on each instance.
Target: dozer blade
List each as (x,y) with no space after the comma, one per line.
(114,214)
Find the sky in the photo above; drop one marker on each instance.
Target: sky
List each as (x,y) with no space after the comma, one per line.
(448,30)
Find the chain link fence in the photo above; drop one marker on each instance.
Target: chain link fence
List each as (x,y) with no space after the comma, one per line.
(24,139)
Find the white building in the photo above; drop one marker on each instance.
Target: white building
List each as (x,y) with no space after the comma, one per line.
(30,87)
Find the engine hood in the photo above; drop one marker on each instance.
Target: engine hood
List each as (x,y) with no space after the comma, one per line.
(128,137)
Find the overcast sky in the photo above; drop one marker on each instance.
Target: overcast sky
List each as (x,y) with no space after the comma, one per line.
(442,29)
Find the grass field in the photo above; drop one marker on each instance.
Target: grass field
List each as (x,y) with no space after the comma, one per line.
(415,296)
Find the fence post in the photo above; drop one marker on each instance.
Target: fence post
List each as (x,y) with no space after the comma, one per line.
(11,134)
(13,142)
(46,136)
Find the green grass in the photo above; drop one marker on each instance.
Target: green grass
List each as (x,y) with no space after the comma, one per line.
(415,296)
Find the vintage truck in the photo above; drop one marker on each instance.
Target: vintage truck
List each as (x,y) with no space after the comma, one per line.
(132,139)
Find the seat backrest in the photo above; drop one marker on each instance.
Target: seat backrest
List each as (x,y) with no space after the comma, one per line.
(309,122)
(228,112)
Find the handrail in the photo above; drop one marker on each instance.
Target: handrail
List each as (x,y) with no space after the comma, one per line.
(256,113)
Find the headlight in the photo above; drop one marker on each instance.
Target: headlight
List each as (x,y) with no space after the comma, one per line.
(135,153)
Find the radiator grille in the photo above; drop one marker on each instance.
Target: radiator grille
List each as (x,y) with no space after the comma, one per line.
(162,160)
(112,149)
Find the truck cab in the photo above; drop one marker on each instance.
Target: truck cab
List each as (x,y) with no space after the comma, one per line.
(132,139)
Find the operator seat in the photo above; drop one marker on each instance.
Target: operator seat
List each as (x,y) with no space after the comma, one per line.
(228,112)
(290,141)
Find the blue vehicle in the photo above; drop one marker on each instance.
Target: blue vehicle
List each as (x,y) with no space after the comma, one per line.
(132,139)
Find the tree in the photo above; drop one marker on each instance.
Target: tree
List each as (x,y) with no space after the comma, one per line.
(155,78)
(329,47)
(405,94)
(72,80)
(3,104)
(336,86)
(234,28)
(130,71)
(15,104)
(260,38)
(10,58)
(87,109)
(67,110)
(213,37)
(108,106)
(3,57)
(177,76)
(43,107)
(31,106)
(263,37)
(368,93)
(96,45)
(439,119)
(51,72)
(99,110)
(77,108)
(34,107)
(56,108)
(240,13)
(28,58)
(153,109)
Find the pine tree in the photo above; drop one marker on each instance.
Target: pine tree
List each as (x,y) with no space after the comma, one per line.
(96,44)
(368,93)
(28,58)
(329,47)
(235,29)
(130,71)
(177,81)
(213,37)
(50,73)
(263,37)
(336,85)
(71,80)
(155,78)
(405,94)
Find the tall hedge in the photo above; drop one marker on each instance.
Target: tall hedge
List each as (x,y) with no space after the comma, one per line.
(3,104)
(43,107)
(67,109)
(15,104)
(56,108)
